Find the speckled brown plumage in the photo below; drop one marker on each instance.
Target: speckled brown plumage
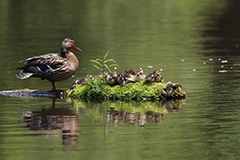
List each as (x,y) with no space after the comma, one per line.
(53,66)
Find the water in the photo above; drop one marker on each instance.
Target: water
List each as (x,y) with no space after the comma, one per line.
(195,43)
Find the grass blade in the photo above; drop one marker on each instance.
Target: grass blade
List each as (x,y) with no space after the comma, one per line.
(96,67)
(104,58)
(110,70)
(96,61)
(113,65)
(99,60)
(110,60)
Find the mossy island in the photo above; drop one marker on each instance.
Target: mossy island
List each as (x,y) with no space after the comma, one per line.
(98,89)
(124,86)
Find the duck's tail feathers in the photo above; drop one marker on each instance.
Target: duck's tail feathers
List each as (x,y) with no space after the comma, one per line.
(23,75)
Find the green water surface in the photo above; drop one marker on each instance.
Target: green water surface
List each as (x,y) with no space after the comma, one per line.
(194,43)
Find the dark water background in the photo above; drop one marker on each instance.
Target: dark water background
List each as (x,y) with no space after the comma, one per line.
(195,43)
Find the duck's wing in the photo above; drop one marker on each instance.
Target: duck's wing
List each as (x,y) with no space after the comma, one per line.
(52,60)
(37,66)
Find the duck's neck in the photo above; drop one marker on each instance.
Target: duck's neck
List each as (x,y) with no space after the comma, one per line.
(64,51)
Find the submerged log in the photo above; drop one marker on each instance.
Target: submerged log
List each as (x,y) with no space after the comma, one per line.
(33,93)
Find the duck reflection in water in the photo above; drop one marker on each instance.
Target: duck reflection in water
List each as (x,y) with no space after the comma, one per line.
(133,118)
(54,119)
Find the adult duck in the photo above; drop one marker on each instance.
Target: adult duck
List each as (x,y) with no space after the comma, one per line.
(53,66)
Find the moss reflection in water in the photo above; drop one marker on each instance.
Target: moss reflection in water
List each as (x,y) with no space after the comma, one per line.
(131,112)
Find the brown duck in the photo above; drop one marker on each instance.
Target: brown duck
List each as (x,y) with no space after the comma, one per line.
(53,66)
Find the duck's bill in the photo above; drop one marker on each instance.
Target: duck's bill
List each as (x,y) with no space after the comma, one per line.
(77,49)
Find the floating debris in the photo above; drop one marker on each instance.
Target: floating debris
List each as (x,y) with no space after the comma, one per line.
(182,60)
(194,70)
(211,59)
(219,59)
(224,61)
(231,67)
(115,68)
(222,66)
(223,71)
(149,66)
(204,63)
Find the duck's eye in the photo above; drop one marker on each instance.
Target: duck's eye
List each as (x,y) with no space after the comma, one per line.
(70,45)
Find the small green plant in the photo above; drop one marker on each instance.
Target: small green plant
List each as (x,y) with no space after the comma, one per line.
(101,64)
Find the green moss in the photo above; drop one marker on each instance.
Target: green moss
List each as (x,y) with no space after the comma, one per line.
(97,89)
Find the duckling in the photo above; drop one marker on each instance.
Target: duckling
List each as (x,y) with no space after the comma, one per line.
(140,75)
(156,72)
(101,75)
(172,88)
(168,87)
(81,81)
(129,71)
(89,77)
(105,73)
(177,86)
(150,77)
(130,75)
(168,90)
(111,79)
(121,80)
(158,78)
(155,77)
